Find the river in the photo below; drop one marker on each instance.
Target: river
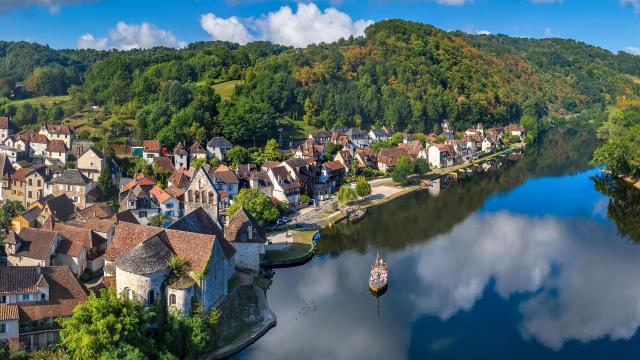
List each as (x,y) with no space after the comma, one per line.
(533,259)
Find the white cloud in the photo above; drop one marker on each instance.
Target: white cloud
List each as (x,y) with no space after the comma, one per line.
(52,5)
(131,36)
(635,4)
(632,50)
(483,32)
(548,32)
(305,26)
(230,29)
(453,2)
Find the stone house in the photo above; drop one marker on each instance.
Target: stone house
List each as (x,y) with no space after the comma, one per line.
(79,188)
(27,184)
(38,147)
(59,132)
(201,192)
(248,238)
(345,158)
(91,163)
(180,157)
(150,150)
(31,298)
(55,153)
(320,137)
(515,129)
(365,158)
(218,146)
(332,174)
(139,256)
(226,181)
(138,201)
(6,172)
(260,180)
(378,135)
(302,171)
(31,247)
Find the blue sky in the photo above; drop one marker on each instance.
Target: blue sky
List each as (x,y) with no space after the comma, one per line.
(612,24)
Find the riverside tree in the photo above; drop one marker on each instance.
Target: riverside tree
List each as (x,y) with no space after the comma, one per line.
(347,194)
(257,204)
(363,188)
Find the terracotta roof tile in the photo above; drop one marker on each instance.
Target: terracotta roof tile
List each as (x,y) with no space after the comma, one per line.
(9,312)
(151,146)
(140,179)
(57,146)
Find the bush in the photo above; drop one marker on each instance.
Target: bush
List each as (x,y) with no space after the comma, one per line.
(304,198)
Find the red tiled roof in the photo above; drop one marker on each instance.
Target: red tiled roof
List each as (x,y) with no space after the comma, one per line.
(65,293)
(159,194)
(334,165)
(140,179)
(4,122)
(151,146)
(57,146)
(9,312)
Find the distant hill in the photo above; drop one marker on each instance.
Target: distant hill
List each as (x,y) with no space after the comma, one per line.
(401,73)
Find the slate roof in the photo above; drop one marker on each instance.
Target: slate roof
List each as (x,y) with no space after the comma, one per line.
(244,171)
(71,177)
(79,235)
(20,279)
(65,293)
(61,207)
(219,141)
(31,214)
(148,257)
(236,231)
(127,217)
(227,177)
(164,165)
(34,243)
(197,149)
(6,170)
(197,221)
(179,149)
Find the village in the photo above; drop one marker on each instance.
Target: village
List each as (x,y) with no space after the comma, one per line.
(69,238)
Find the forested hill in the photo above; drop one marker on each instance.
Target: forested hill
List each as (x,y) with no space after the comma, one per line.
(400,73)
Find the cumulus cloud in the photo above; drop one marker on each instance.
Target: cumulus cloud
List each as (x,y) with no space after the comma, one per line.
(230,29)
(307,25)
(483,32)
(52,5)
(131,36)
(632,50)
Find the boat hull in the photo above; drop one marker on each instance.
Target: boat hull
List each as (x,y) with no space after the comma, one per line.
(377,287)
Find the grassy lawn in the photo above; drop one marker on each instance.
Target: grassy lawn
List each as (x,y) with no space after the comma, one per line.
(45,100)
(296,129)
(225,89)
(300,246)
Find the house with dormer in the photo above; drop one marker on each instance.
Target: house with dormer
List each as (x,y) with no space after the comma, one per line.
(59,132)
(285,187)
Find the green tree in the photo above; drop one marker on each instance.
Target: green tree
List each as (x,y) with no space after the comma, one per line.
(346,194)
(103,323)
(363,188)
(106,186)
(402,170)
(175,94)
(272,151)
(158,220)
(421,166)
(238,155)
(257,204)
(9,210)
(199,162)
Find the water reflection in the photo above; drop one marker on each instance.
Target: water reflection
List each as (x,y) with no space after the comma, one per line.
(522,262)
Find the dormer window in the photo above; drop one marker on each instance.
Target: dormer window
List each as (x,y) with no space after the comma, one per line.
(3,299)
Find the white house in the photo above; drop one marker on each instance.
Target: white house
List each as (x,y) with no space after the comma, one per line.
(180,157)
(5,128)
(55,153)
(150,150)
(169,206)
(218,146)
(440,155)
(378,135)
(285,187)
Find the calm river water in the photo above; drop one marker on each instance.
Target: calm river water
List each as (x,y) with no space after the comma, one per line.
(534,259)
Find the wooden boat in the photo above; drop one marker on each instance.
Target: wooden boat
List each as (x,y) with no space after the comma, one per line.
(357,215)
(379,276)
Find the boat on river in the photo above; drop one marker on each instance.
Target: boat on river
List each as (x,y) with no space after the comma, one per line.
(357,215)
(379,276)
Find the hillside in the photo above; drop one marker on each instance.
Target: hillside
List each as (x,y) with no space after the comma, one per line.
(401,73)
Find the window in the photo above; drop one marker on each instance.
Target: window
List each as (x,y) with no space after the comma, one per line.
(169,206)
(29,196)
(69,188)
(172,299)
(127,293)
(3,328)
(142,214)
(43,297)
(3,299)
(76,199)
(26,297)
(151,297)
(39,183)
(30,182)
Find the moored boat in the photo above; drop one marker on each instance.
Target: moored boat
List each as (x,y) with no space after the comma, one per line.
(357,215)
(379,276)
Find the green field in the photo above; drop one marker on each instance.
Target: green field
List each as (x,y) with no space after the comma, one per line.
(225,89)
(295,129)
(44,100)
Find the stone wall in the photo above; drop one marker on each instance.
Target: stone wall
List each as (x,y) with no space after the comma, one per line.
(140,285)
(183,299)
(248,255)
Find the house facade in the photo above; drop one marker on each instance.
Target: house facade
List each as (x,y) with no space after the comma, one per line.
(91,163)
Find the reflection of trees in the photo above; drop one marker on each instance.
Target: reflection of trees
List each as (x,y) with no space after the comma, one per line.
(624,205)
(419,217)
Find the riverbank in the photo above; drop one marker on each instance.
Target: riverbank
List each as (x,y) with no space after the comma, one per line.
(253,332)
(289,248)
